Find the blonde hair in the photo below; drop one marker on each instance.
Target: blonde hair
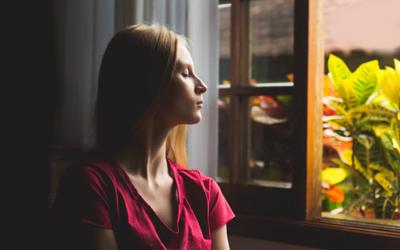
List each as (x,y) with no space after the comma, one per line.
(176,145)
(135,74)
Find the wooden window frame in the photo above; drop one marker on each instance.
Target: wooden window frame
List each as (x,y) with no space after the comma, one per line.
(289,215)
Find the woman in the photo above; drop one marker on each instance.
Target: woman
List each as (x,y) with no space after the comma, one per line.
(138,195)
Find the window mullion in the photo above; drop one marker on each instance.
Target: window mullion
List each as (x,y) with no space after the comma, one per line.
(244,70)
(314,107)
(234,74)
(244,80)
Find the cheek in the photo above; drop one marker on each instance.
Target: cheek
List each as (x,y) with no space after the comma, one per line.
(181,104)
(182,97)
(182,110)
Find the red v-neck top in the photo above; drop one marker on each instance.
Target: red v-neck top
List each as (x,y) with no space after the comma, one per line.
(100,193)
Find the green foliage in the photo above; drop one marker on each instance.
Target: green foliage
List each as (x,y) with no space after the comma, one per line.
(368,112)
(354,88)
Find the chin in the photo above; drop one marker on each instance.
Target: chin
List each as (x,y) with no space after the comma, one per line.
(194,119)
(197,120)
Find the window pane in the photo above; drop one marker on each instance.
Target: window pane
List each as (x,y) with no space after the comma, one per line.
(361,153)
(223,133)
(224,42)
(271,40)
(269,156)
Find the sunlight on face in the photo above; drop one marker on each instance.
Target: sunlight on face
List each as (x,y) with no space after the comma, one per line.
(186,91)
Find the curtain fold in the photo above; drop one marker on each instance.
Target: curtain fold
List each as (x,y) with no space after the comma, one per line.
(83,30)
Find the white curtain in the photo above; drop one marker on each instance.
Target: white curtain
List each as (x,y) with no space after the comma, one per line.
(203,35)
(84,29)
(172,13)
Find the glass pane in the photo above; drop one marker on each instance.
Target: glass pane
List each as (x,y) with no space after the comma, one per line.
(271,40)
(270,133)
(224,42)
(361,152)
(223,133)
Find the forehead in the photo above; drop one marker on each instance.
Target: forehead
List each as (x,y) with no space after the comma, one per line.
(183,56)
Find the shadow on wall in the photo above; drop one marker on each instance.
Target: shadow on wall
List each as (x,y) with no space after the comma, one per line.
(28,85)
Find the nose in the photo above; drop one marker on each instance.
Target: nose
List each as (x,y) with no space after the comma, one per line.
(201,87)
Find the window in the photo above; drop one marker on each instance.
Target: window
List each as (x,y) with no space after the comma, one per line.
(256,104)
(361,159)
(272,139)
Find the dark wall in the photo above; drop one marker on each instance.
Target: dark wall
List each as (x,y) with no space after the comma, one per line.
(27,81)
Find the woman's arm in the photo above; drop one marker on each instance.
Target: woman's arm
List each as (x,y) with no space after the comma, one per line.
(219,239)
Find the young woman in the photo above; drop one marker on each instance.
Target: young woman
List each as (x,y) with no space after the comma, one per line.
(137,194)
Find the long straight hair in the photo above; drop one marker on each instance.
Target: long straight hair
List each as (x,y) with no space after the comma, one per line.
(134,77)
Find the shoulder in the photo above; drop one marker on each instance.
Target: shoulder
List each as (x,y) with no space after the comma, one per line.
(99,169)
(99,173)
(85,182)
(196,177)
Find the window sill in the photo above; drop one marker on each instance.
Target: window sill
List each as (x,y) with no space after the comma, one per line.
(322,233)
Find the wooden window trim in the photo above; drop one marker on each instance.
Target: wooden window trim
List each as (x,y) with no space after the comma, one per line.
(326,234)
(251,91)
(296,219)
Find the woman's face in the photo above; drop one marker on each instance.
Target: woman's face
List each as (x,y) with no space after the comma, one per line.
(185,98)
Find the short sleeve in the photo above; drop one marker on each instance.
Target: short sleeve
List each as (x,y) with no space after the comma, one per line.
(220,211)
(84,196)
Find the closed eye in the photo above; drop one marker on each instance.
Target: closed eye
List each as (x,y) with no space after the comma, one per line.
(184,74)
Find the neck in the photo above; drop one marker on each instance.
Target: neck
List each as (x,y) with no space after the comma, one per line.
(146,156)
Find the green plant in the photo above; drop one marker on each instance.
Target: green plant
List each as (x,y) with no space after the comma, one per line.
(367,112)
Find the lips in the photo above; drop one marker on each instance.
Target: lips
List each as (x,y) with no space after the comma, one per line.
(199,104)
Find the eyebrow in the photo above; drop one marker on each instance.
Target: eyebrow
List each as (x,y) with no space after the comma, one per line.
(185,64)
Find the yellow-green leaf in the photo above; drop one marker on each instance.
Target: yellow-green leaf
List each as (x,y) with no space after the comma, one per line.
(375,110)
(367,174)
(396,144)
(389,84)
(380,130)
(338,71)
(381,179)
(364,80)
(333,176)
(395,126)
(346,155)
(387,172)
(346,91)
(396,64)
